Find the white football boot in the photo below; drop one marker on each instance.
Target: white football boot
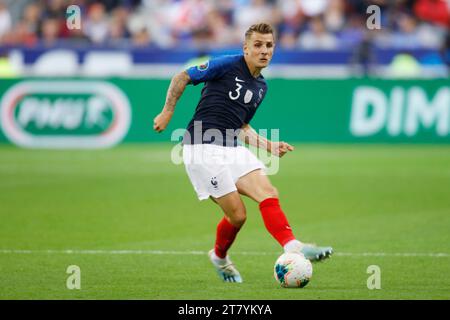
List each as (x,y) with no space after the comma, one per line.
(225,268)
(311,252)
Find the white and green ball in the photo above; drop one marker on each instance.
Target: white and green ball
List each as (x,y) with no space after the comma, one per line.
(293,270)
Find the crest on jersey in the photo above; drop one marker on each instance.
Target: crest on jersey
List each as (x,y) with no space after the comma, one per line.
(214,182)
(248,96)
(203,66)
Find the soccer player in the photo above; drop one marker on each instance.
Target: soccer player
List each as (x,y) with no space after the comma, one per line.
(218,167)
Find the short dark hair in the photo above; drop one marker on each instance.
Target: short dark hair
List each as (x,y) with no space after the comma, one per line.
(263,28)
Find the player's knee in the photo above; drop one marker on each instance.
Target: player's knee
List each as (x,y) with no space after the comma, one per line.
(239,221)
(270,192)
(238,217)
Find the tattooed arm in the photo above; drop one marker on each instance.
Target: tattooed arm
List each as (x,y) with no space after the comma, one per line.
(176,89)
(249,136)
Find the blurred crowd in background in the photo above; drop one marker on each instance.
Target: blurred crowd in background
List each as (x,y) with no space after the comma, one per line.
(300,24)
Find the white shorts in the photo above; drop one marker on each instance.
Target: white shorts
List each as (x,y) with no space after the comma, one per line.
(214,170)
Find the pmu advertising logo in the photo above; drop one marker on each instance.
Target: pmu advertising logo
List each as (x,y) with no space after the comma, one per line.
(65,114)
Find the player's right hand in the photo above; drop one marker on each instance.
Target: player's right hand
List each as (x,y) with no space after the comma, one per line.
(162,120)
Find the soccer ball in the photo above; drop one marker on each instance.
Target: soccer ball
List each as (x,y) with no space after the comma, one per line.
(292,270)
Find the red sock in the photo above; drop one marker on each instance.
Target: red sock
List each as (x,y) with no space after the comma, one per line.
(275,221)
(225,235)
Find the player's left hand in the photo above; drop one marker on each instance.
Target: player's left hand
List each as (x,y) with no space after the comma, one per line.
(279,149)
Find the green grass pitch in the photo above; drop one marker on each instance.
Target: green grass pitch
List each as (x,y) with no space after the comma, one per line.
(139,232)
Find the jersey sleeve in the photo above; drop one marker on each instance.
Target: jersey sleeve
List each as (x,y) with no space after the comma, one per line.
(212,69)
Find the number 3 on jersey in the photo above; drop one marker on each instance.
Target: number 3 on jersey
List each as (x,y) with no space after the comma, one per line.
(238,92)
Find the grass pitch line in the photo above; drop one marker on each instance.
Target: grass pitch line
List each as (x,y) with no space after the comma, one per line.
(256,253)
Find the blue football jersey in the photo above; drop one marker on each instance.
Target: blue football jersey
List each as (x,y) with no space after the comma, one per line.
(229,99)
